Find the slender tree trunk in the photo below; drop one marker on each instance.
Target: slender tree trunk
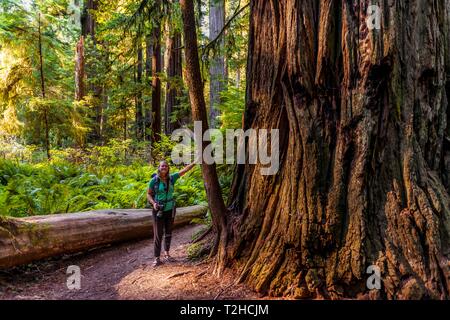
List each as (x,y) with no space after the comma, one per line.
(79,70)
(88,30)
(199,113)
(42,77)
(103,112)
(156,82)
(125,125)
(139,113)
(362,119)
(148,76)
(88,23)
(217,69)
(174,73)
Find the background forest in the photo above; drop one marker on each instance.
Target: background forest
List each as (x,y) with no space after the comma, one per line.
(90,92)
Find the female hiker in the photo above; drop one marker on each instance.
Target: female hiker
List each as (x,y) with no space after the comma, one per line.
(160,196)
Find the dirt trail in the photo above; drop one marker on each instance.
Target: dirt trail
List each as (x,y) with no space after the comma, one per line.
(123,272)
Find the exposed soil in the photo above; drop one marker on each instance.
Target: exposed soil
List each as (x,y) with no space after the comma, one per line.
(124,271)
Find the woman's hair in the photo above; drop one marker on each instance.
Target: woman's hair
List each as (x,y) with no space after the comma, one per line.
(161,163)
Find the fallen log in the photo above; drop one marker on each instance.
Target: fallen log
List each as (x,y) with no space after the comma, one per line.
(29,239)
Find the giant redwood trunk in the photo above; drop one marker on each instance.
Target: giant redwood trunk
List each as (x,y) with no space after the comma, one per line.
(364,150)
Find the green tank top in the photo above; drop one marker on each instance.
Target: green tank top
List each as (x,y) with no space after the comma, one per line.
(162,195)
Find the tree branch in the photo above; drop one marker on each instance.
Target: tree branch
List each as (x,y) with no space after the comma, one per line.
(237,12)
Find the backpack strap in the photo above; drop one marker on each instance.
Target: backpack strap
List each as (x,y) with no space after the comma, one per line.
(157,180)
(155,185)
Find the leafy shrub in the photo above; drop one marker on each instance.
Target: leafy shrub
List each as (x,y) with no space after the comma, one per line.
(232,107)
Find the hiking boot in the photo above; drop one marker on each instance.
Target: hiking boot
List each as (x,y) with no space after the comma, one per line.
(157,262)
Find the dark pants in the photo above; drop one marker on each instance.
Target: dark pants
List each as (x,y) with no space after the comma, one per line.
(162,226)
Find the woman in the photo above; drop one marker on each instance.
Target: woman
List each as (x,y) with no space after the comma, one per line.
(160,196)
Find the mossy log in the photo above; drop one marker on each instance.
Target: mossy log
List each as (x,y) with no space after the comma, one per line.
(33,238)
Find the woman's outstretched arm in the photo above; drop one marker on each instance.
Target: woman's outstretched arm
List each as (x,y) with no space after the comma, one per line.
(187,169)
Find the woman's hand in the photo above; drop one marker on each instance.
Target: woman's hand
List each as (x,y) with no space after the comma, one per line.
(151,200)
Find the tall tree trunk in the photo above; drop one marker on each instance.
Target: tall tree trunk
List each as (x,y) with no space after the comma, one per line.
(88,23)
(148,81)
(362,116)
(217,70)
(156,82)
(79,70)
(139,113)
(199,113)
(123,108)
(125,127)
(103,112)
(174,73)
(42,78)
(88,30)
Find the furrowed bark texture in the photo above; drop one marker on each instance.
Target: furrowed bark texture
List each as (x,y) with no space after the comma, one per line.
(364,151)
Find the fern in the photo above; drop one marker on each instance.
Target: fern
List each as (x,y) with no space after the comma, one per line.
(60,186)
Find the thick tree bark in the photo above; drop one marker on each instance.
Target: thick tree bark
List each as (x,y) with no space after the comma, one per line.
(363,119)
(199,113)
(29,239)
(156,82)
(174,73)
(217,70)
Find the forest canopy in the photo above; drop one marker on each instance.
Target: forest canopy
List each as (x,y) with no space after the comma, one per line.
(90,89)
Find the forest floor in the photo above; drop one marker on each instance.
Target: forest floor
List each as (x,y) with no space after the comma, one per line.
(124,271)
